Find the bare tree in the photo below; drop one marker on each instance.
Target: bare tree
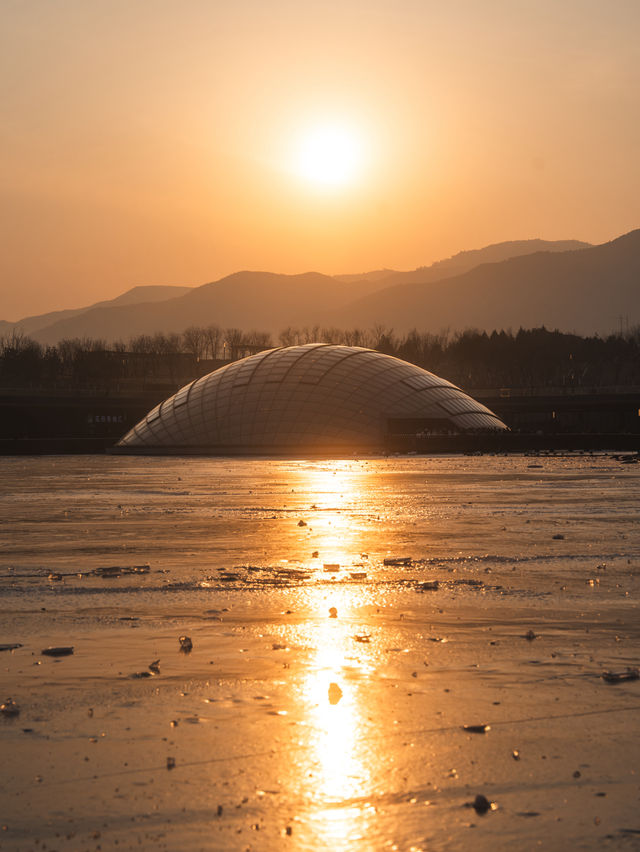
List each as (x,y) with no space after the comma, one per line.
(16,341)
(309,335)
(166,344)
(21,359)
(213,335)
(142,344)
(361,337)
(194,341)
(258,340)
(382,338)
(289,336)
(330,335)
(233,340)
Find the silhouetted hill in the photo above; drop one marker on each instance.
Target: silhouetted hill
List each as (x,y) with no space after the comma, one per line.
(466,260)
(374,275)
(141,293)
(585,290)
(263,301)
(146,293)
(29,325)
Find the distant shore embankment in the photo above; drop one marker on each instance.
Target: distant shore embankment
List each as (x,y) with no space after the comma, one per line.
(42,422)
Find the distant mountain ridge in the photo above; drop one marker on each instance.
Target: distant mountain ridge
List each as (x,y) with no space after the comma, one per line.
(264,301)
(568,285)
(140,293)
(465,260)
(585,291)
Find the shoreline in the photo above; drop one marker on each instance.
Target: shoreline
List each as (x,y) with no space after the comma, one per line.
(501,443)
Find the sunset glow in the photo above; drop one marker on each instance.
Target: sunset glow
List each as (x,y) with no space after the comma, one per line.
(329,156)
(147,145)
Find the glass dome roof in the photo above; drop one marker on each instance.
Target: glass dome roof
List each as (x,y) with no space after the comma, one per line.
(317,396)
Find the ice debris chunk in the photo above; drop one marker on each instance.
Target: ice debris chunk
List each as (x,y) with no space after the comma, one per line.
(9,708)
(58,651)
(335,693)
(621,677)
(482,805)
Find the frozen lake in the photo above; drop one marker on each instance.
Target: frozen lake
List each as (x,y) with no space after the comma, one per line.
(196,522)
(320,732)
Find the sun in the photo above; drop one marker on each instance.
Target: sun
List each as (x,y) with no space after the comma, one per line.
(329,156)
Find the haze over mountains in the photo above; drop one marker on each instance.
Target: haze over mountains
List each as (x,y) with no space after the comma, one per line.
(465,260)
(587,291)
(151,293)
(567,285)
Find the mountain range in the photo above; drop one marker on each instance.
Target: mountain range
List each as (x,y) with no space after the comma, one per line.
(141,293)
(568,285)
(465,260)
(587,291)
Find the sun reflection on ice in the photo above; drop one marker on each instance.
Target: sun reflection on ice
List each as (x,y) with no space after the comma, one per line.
(338,490)
(334,720)
(339,766)
(339,772)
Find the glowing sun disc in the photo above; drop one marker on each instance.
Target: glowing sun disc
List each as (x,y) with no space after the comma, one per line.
(329,156)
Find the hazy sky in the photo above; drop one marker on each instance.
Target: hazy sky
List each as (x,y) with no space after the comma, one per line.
(176,141)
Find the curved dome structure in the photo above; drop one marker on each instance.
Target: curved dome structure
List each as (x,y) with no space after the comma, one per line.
(313,397)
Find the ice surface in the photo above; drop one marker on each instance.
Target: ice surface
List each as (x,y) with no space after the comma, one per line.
(283,725)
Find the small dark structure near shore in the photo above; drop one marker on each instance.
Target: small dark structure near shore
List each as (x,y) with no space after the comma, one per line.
(312,398)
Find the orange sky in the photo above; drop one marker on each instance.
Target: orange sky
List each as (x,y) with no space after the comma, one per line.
(158,142)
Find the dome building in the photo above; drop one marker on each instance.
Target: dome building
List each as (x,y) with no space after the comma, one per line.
(315,398)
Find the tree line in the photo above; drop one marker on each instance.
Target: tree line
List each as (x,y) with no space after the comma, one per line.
(470,358)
